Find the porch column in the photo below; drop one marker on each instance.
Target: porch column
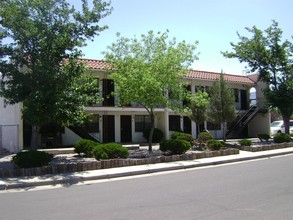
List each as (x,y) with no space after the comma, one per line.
(166,124)
(117,128)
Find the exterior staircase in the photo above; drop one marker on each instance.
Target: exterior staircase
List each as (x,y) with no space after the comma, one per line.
(241,123)
(83,133)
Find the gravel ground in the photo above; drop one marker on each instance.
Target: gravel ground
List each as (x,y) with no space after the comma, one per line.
(5,160)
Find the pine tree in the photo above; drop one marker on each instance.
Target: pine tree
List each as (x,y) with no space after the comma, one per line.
(222,104)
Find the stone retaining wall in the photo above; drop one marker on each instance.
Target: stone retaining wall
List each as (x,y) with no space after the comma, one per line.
(105,164)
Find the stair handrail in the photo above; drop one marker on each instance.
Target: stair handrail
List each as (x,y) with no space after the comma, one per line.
(80,129)
(251,116)
(241,118)
(246,113)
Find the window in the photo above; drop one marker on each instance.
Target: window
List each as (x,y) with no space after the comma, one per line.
(174,123)
(236,95)
(188,89)
(142,122)
(211,126)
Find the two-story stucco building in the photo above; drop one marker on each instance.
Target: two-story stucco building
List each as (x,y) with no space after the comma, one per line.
(126,124)
(112,123)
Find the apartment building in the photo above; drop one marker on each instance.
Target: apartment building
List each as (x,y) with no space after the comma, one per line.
(126,124)
(112,123)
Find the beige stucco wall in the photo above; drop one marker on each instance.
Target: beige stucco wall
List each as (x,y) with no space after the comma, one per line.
(259,124)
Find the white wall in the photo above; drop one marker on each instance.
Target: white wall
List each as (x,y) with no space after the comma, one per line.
(69,137)
(11,131)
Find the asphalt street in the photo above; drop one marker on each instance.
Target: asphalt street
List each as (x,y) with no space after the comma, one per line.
(260,189)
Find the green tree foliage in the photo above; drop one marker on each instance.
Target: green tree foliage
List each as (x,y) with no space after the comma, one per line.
(40,41)
(266,53)
(149,70)
(222,104)
(197,107)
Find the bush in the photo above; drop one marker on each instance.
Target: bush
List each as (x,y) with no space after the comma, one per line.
(263,137)
(245,142)
(281,138)
(85,147)
(175,146)
(176,134)
(215,144)
(99,153)
(157,135)
(29,159)
(203,137)
(182,136)
(110,151)
(114,150)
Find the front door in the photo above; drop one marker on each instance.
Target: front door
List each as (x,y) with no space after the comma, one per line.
(243,97)
(126,131)
(108,128)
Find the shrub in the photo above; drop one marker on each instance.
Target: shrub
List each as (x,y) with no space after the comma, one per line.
(175,134)
(175,146)
(110,151)
(99,153)
(245,142)
(157,135)
(114,150)
(281,138)
(182,136)
(215,144)
(203,137)
(263,137)
(28,159)
(85,147)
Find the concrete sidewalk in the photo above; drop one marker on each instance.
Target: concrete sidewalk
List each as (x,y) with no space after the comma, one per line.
(80,177)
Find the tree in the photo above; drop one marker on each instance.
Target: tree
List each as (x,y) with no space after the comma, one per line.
(148,71)
(197,107)
(265,53)
(39,61)
(222,104)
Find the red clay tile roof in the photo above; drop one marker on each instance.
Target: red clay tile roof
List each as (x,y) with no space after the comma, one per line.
(253,77)
(96,64)
(194,74)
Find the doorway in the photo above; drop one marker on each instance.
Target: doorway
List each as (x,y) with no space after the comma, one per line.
(108,128)
(126,131)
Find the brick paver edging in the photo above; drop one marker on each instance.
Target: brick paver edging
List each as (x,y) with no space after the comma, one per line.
(104,164)
(266,147)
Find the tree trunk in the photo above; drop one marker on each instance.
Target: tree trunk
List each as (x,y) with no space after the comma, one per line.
(198,130)
(224,131)
(151,131)
(35,137)
(286,124)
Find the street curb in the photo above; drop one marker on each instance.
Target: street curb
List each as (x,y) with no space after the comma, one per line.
(179,165)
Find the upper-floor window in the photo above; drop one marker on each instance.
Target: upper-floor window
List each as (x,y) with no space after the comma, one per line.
(108,89)
(236,95)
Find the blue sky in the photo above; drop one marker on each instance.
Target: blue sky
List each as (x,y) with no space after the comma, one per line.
(213,23)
